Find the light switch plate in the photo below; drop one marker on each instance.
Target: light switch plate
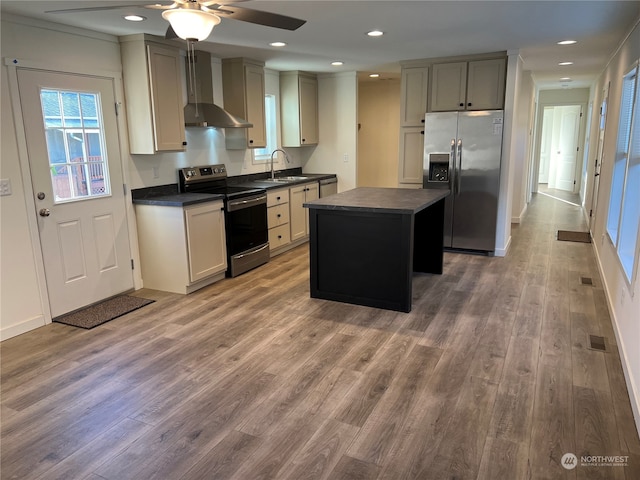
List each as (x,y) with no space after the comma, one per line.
(5,187)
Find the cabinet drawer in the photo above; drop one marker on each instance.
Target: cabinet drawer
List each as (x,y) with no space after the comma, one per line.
(278,215)
(277,197)
(279,236)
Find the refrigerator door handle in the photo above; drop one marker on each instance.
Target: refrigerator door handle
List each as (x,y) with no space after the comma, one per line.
(452,174)
(459,168)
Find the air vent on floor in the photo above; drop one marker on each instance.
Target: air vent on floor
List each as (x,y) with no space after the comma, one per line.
(586,280)
(597,343)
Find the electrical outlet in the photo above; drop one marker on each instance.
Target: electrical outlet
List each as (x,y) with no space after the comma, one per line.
(346,158)
(5,187)
(156,172)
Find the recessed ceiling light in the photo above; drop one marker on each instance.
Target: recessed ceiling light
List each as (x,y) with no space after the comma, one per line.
(278,44)
(567,42)
(374,75)
(375,33)
(565,63)
(134,18)
(337,64)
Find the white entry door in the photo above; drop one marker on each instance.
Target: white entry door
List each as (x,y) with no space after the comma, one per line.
(567,152)
(76,169)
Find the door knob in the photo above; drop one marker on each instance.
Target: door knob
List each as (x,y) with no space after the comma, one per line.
(44,212)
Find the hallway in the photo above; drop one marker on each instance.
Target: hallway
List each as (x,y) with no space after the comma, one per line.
(489,377)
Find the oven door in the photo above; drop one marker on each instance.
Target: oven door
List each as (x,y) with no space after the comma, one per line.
(247,233)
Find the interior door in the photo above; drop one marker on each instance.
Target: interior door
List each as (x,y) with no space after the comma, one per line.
(598,162)
(76,172)
(567,154)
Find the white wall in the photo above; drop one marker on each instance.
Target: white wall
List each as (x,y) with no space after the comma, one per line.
(521,145)
(338,117)
(624,300)
(378,127)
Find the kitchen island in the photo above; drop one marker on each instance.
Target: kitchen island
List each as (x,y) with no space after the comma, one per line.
(366,243)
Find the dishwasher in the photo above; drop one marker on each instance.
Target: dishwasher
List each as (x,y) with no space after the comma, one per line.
(328,186)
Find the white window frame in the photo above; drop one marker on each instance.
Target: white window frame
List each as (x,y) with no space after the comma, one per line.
(263,155)
(623,218)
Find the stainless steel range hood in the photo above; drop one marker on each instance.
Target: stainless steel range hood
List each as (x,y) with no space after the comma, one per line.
(205,113)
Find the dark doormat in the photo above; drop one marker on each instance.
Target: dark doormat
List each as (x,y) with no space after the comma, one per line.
(103,312)
(569,236)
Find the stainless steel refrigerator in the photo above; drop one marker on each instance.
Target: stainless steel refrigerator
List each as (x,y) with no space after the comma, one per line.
(462,152)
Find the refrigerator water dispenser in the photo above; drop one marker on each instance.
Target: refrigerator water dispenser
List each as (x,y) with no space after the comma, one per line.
(439,167)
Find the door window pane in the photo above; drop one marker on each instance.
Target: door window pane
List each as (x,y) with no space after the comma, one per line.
(75,144)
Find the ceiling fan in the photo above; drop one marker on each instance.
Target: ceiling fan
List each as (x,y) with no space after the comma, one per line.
(194,19)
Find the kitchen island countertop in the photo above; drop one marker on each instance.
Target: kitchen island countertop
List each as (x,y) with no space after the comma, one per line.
(390,200)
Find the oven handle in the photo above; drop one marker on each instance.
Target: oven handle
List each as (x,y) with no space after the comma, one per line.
(252,251)
(246,203)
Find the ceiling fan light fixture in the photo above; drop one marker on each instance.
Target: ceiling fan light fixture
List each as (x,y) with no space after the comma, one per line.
(191,24)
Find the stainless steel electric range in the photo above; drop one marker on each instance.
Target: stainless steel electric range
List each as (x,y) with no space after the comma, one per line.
(245,215)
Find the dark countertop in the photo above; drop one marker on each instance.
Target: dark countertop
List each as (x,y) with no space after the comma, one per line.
(383,200)
(178,200)
(168,196)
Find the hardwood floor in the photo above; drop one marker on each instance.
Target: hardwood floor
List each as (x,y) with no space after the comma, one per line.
(489,377)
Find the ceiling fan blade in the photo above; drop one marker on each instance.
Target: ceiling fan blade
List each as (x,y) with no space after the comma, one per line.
(258,17)
(111,7)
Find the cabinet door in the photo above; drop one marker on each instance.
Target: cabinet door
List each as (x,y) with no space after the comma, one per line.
(312,192)
(205,240)
(256,136)
(166,93)
(414,96)
(448,86)
(411,153)
(308,111)
(485,84)
(297,217)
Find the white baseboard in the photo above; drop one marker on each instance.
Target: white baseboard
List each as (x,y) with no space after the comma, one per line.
(632,388)
(502,252)
(22,327)
(519,218)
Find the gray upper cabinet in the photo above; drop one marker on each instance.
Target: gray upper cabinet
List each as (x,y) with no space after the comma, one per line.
(485,84)
(299,108)
(153,94)
(243,92)
(414,81)
(474,85)
(448,86)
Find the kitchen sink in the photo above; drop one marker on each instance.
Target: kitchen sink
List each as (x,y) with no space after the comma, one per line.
(285,179)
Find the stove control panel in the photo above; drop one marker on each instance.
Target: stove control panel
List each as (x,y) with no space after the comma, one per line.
(202,173)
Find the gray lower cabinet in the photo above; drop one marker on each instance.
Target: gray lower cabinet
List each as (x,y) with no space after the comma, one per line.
(299,218)
(182,249)
(278,219)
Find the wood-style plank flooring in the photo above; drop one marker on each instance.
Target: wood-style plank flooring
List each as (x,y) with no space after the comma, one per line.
(489,377)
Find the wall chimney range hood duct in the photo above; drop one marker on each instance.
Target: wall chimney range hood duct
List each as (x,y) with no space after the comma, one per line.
(205,113)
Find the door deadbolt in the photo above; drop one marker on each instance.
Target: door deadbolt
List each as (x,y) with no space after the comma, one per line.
(44,212)
(41,195)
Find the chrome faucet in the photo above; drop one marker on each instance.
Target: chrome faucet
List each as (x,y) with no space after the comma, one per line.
(286,156)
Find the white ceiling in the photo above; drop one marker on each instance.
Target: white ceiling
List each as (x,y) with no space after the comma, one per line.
(336,30)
